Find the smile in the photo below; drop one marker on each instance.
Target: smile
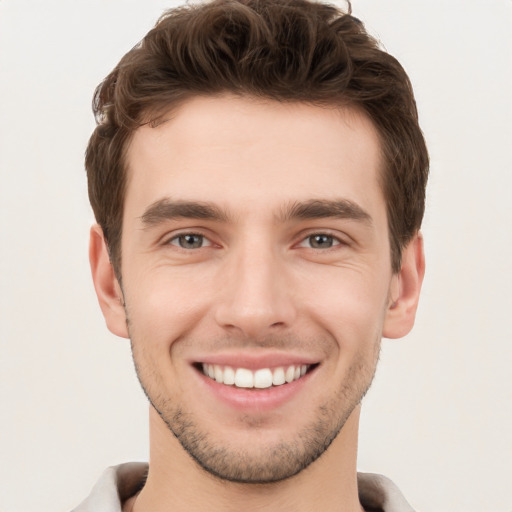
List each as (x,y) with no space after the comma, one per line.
(259,379)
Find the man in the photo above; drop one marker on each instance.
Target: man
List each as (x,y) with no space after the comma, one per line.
(258,177)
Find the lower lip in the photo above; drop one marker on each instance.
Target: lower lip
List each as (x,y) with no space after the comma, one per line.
(254,399)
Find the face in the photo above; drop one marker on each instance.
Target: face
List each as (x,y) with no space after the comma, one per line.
(256,278)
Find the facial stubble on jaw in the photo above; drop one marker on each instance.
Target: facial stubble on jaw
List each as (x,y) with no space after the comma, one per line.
(277,461)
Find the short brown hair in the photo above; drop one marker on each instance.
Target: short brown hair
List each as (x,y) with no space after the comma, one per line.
(284,50)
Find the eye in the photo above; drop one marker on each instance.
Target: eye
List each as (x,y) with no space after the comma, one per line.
(320,241)
(190,241)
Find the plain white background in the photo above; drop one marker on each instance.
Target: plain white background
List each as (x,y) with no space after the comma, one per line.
(438,419)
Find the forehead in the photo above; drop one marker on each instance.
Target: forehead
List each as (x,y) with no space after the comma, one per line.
(243,152)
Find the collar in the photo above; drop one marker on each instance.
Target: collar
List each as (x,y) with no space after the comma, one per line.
(117,483)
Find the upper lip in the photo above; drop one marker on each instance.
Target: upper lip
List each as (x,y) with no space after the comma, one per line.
(254,361)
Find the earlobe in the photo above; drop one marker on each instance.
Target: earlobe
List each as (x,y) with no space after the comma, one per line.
(107,287)
(405,294)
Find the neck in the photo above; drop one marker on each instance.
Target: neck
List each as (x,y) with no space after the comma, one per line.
(175,481)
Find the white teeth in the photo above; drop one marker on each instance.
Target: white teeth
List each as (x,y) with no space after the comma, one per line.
(217,370)
(229,375)
(278,377)
(290,374)
(244,378)
(261,379)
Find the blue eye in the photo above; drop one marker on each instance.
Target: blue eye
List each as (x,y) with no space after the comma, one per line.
(190,241)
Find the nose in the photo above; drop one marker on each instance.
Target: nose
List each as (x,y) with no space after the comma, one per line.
(256,296)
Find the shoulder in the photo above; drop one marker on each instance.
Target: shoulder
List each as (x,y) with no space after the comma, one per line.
(379,493)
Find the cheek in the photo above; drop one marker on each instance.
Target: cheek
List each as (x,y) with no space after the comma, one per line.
(164,325)
(351,305)
(161,312)
(163,305)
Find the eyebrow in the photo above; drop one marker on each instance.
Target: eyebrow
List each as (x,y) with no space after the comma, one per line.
(324,208)
(166,209)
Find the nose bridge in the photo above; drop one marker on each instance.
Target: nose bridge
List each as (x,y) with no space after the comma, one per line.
(254,297)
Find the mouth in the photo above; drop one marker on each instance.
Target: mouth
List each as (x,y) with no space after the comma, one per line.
(261,378)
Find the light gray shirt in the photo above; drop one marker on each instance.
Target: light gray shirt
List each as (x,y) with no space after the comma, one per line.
(118,483)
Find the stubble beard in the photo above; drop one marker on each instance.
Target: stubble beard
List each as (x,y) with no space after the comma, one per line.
(274,462)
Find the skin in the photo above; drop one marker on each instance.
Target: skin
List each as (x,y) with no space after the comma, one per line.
(263,277)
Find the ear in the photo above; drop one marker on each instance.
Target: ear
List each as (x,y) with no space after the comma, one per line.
(405,290)
(108,291)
